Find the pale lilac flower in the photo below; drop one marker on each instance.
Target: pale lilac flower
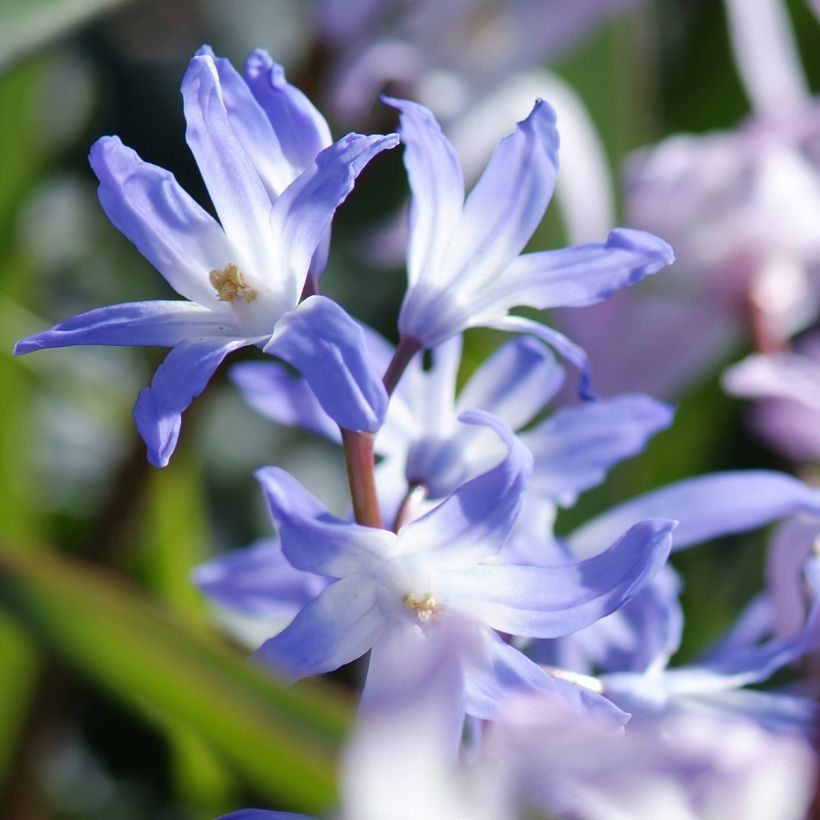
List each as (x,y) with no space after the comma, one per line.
(786,389)
(240,275)
(741,208)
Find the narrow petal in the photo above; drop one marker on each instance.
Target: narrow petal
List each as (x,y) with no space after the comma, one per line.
(312,539)
(574,448)
(569,350)
(474,522)
(640,636)
(328,348)
(515,383)
(332,630)
(279,395)
(706,507)
(548,602)
(580,275)
(178,237)
(508,201)
(258,580)
(252,127)
(437,189)
(178,380)
(303,213)
(164,324)
(235,186)
(301,130)
(501,672)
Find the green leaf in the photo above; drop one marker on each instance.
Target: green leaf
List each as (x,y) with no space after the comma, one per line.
(26,25)
(282,739)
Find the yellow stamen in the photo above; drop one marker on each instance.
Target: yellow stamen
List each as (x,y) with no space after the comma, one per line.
(230,283)
(425,607)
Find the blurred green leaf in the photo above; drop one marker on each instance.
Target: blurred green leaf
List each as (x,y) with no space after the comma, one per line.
(26,25)
(176,540)
(282,739)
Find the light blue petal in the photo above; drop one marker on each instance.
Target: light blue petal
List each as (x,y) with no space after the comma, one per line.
(252,127)
(514,384)
(507,203)
(548,602)
(641,635)
(706,507)
(569,350)
(474,522)
(312,539)
(258,580)
(164,324)
(574,448)
(332,630)
(178,380)
(301,130)
(436,186)
(236,189)
(328,348)
(303,213)
(582,274)
(281,396)
(501,671)
(178,237)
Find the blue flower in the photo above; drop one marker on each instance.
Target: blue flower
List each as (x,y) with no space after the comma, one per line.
(465,267)
(252,140)
(424,446)
(441,566)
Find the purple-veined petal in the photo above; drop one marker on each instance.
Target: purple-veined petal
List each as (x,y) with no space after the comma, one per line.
(569,350)
(302,214)
(706,507)
(548,602)
(284,397)
(312,539)
(573,449)
(235,186)
(474,522)
(164,324)
(507,202)
(328,348)
(301,130)
(178,237)
(332,630)
(178,380)
(437,189)
(258,580)
(515,383)
(501,672)
(252,127)
(583,274)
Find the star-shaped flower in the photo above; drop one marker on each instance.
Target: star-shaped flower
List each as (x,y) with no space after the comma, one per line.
(240,275)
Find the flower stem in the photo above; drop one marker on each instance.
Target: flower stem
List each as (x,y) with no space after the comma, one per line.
(358,448)
(407,348)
